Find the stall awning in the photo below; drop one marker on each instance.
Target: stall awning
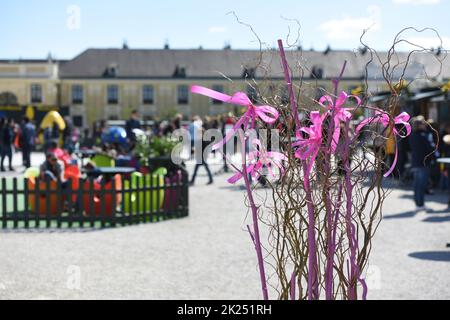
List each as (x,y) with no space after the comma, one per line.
(379,98)
(426,95)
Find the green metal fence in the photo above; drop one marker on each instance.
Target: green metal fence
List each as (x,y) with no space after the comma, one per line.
(119,201)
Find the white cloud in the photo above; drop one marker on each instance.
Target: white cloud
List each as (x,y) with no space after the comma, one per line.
(217,30)
(416,2)
(349,28)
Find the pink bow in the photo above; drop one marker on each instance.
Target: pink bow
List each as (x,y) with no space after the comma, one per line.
(259,158)
(340,113)
(266,113)
(384,119)
(308,148)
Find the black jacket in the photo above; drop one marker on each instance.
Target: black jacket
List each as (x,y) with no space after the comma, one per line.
(421,149)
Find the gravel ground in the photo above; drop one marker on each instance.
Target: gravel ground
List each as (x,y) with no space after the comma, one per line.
(210,256)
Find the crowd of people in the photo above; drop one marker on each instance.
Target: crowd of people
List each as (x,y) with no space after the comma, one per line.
(25,136)
(417,154)
(417,164)
(195,126)
(16,135)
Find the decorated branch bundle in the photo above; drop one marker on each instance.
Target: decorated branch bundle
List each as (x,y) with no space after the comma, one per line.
(327,196)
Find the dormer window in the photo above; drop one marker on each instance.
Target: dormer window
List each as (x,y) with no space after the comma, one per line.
(317,72)
(248,73)
(180,72)
(111,71)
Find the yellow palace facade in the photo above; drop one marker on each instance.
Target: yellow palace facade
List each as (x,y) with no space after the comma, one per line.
(110,83)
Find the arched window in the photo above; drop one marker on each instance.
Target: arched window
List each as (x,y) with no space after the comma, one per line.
(8,99)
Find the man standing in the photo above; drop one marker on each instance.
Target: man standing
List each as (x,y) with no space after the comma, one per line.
(421,156)
(28,139)
(7,136)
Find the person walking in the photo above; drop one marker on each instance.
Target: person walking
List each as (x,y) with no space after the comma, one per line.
(201,160)
(421,153)
(7,137)
(28,140)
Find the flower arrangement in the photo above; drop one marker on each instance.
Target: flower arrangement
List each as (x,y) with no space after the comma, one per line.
(156,147)
(328,199)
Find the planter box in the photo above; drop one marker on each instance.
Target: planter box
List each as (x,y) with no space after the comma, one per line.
(166,162)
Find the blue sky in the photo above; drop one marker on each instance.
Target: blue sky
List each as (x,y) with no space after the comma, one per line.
(32,28)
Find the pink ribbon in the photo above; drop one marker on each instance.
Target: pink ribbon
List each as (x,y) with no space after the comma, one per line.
(340,113)
(266,113)
(309,147)
(384,119)
(259,158)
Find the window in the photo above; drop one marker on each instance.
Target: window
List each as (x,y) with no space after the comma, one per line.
(77,121)
(36,93)
(148,94)
(218,88)
(183,94)
(113,94)
(180,72)
(8,99)
(111,71)
(77,94)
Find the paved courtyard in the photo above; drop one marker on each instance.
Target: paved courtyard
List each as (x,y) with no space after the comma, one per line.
(209,254)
